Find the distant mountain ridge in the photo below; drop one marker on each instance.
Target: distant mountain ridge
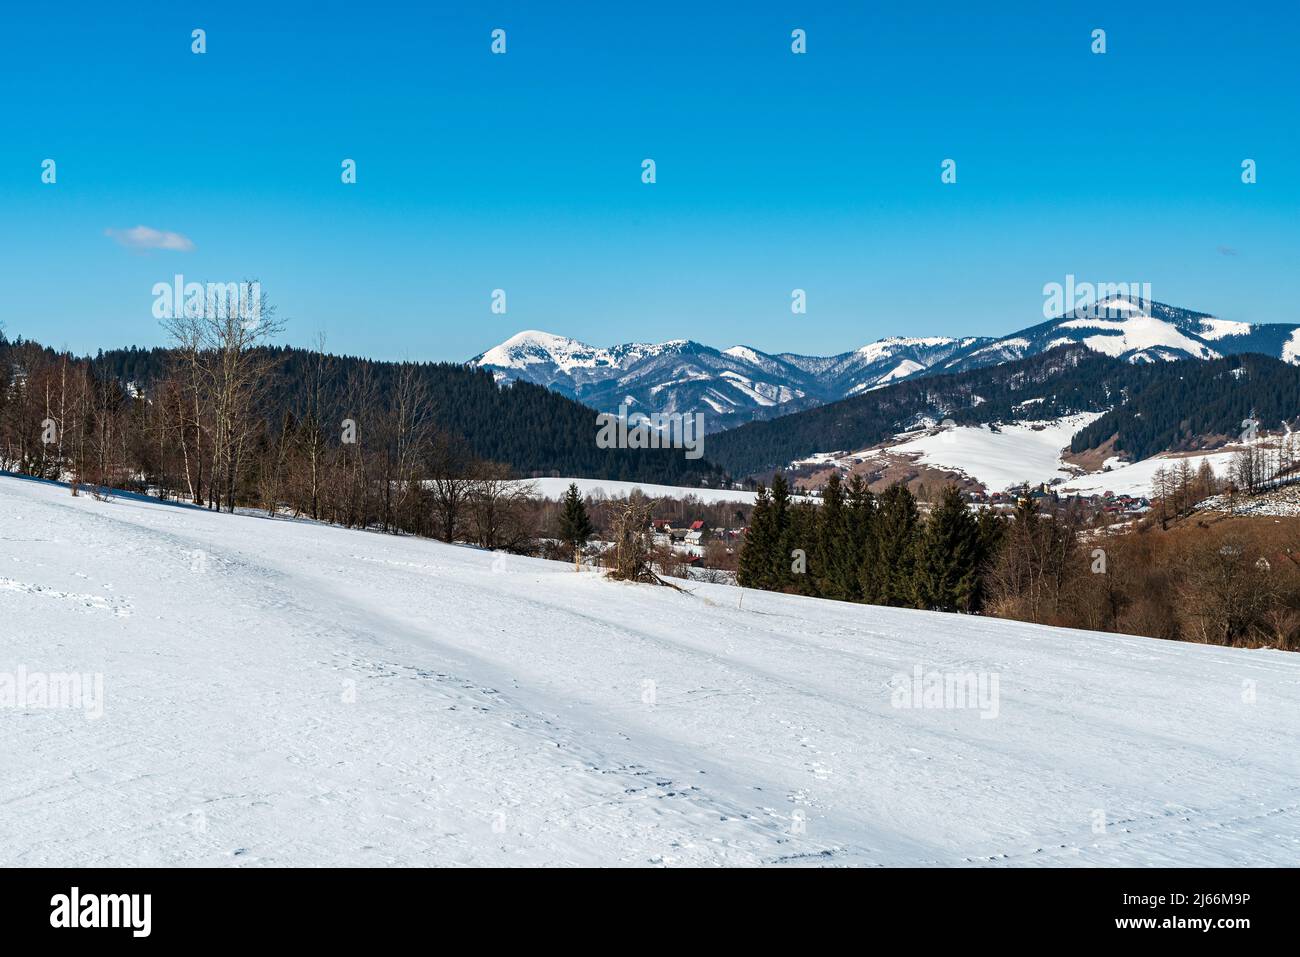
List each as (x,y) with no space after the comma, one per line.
(742,384)
(731,386)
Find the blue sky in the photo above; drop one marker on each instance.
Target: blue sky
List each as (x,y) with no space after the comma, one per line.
(523,171)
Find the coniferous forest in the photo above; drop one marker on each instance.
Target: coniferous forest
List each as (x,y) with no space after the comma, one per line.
(1229,583)
(877,549)
(1149,408)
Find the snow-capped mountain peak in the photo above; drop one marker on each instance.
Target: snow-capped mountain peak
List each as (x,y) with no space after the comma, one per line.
(1139,333)
(744,352)
(533,346)
(1222,328)
(885,348)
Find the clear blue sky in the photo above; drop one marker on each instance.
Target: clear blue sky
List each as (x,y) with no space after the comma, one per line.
(522,171)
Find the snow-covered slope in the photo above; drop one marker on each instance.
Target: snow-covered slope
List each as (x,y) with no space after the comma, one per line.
(1012,454)
(1137,337)
(555,488)
(890,359)
(1291,348)
(1119,327)
(1137,478)
(288,693)
(1023,452)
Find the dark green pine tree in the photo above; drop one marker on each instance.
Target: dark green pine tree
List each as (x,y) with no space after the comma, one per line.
(832,541)
(801,550)
(860,518)
(888,571)
(948,556)
(781,542)
(754,567)
(575,524)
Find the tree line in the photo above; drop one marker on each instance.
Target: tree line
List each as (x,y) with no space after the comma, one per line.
(236,392)
(224,419)
(1234,582)
(1194,404)
(199,437)
(878,549)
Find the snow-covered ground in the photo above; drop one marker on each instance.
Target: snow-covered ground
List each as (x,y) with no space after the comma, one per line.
(280,692)
(1030,451)
(1281,502)
(1136,478)
(555,488)
(1015,453)
(1291,349)
(1027,451)
(1134,333)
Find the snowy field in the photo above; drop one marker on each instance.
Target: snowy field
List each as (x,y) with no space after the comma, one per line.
(1015,453)
(284,693)
(1136,478)
(554,488)
(1030,452)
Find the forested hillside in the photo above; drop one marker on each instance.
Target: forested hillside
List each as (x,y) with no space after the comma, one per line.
(1151,406)
(1066,380)
(530,428)
(1194,405)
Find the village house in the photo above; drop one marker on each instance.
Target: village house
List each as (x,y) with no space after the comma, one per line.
(665,533)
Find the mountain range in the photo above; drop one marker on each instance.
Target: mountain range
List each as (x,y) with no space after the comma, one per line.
(742,384)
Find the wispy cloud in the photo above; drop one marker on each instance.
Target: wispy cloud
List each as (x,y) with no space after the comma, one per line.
(146,237)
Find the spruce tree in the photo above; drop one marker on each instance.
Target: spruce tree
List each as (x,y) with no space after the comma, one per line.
(802,536)
(753,569)
(887,573)
(861,517)
(575,525)
(832,540)
(781,543)
(948,556)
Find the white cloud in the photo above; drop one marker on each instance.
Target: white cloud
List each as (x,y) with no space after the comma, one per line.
(146,237)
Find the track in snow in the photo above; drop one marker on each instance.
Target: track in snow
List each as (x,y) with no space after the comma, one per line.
(286,693)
